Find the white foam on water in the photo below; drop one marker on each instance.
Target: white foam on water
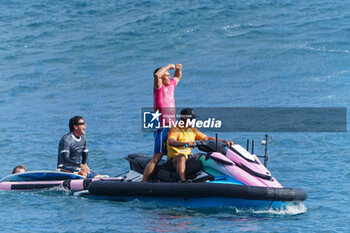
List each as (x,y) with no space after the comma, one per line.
(324,49)
(289,209)
(61,188)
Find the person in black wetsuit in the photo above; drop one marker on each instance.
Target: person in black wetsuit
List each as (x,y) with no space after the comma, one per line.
(73,150)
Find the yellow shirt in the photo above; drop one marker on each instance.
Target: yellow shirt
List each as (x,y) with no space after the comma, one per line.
(183,135)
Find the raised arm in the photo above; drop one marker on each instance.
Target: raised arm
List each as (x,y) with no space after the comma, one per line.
(178,73)
(159,74)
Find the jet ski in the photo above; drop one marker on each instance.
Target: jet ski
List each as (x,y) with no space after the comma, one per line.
(221,176)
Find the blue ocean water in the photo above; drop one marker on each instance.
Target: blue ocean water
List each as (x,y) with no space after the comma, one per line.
(96,58)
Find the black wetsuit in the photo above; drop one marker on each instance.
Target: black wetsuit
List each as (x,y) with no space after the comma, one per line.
(72,152)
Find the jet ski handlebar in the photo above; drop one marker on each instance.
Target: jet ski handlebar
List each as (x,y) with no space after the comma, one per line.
(210,146)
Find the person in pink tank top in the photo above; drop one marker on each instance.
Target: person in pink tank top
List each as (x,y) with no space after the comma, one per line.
(164,101)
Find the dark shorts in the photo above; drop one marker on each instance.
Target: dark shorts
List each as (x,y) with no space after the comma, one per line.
(71,169)
(92,173)
(161,136)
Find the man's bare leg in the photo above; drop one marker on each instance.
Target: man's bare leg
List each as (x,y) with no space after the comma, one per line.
(151,165)
(180,165)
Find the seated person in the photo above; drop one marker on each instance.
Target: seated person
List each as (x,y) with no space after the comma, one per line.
(180,141)
(19,169)
(72,149)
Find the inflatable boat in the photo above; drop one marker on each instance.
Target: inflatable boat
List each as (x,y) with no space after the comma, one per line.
(36,180)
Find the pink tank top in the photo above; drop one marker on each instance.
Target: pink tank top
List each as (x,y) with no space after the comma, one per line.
(164,101)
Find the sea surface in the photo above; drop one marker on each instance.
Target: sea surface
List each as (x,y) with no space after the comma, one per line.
(95,58)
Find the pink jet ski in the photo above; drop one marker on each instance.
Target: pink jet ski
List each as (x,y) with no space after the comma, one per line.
(219,177)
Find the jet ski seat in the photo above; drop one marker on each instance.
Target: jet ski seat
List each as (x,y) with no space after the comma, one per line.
(138,162)
(162,172)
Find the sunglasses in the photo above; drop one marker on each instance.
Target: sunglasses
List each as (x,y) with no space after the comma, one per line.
(81,123)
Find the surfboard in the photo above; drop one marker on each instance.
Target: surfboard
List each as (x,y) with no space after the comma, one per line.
(41,176)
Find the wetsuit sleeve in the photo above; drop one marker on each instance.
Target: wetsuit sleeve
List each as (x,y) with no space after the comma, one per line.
(85,158)
(85,154)
(64,146)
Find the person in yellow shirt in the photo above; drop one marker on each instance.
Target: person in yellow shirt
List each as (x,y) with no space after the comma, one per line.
(181,139)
